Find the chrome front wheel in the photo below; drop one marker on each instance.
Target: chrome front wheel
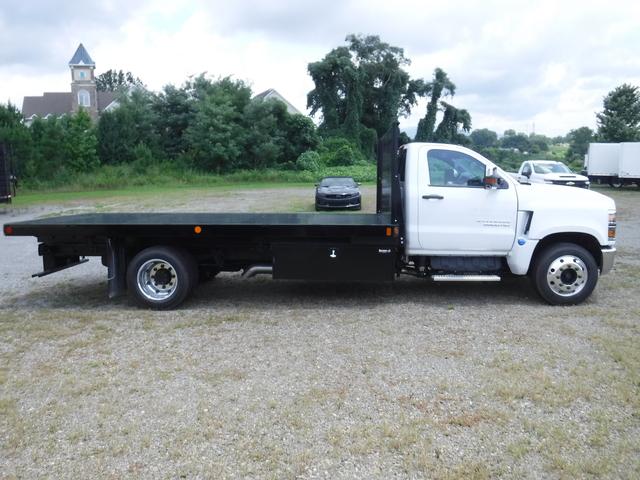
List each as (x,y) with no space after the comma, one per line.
(567,275)
(564,273)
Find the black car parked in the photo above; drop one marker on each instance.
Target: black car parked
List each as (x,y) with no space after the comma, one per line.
(338,192)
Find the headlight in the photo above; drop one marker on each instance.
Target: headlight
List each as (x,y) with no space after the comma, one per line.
(612,226)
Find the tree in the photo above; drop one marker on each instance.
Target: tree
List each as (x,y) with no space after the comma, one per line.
(80,142)
(217,137)
(441,85)
(518,141)
(579,140)
(484,138)
(538,143)
(131,124)
(360,89)
(61,145)
(16,137)
(619,121)
(117,80)
(453,119)
(174,110)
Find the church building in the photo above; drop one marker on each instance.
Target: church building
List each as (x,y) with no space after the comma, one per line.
(84,93)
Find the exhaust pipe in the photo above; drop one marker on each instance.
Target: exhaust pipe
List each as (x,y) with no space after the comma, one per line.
(254,270)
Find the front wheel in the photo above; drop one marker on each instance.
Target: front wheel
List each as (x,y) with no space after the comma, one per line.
(565,274)
(161,277)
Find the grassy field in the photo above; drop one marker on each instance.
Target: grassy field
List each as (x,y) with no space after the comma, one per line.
(31,198)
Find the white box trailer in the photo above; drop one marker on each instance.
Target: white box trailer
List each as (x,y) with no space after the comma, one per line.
(617,164)
(629,166)
(602,161)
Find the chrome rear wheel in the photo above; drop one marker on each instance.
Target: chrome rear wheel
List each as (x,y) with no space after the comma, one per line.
(162,277)
(157,279)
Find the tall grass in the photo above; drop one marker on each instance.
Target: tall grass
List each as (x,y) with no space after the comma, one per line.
(108,177)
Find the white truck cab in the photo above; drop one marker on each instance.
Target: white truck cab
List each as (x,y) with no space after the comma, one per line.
(552,173)
(463,213)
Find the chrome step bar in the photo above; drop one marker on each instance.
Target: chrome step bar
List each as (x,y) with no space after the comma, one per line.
(465,278)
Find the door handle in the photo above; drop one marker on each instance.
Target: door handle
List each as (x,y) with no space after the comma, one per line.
(432,197)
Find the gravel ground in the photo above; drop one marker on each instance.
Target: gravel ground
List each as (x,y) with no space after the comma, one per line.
(264,379)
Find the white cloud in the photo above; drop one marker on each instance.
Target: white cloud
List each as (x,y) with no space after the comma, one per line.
(515,64)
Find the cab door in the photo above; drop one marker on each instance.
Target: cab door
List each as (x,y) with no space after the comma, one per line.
(457,215)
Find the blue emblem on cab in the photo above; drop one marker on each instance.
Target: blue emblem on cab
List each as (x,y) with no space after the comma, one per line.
(521,241)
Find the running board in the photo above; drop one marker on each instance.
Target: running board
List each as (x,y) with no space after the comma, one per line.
(465,278)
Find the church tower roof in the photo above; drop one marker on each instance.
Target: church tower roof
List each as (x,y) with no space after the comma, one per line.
(81,57)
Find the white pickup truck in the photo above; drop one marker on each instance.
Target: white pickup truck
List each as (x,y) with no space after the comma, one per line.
(444,213)
(552,173)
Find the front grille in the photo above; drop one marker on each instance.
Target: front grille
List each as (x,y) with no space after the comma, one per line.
(575,183)
(340,195)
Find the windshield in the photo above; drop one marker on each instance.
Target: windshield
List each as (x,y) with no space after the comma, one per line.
(338,182)
(551,167)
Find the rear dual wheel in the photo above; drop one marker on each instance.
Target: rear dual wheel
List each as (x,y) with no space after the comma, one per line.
(161,278)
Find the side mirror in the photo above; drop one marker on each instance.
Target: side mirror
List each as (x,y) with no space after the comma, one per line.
(527,174)
(491,179)
(317,184)
(491,182)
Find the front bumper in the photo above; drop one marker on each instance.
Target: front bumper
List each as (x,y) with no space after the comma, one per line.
(353,202)
(608,256)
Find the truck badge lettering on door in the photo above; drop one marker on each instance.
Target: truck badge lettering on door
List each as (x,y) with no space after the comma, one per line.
(494,223)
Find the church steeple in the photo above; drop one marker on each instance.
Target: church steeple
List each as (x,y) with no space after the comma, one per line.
(84,93)
(81,57)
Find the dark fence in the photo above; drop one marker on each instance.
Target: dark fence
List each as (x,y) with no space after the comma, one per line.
(6,181)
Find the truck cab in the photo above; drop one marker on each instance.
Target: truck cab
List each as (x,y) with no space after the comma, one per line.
(465,217)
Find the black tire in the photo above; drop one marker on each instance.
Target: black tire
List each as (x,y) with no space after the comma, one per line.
(177,268)
(615,184)
(559,274)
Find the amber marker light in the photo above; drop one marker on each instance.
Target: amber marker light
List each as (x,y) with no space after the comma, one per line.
(197,229)
(389,231)
(8,230)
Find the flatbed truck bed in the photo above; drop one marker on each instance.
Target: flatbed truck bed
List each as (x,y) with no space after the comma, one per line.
(310,246)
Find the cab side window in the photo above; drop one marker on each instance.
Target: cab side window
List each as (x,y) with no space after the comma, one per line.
(454,169)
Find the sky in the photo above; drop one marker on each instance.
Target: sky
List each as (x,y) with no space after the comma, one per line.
(542,66)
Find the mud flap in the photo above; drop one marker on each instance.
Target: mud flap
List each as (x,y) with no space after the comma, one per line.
(116,268)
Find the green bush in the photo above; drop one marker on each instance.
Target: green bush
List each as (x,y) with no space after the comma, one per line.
(338,151)
(142,158)
(343,157)
(309,161)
